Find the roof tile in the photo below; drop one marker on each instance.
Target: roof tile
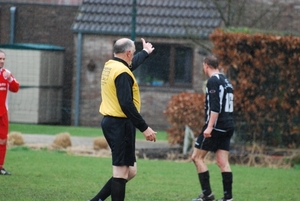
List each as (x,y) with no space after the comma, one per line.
(163,18)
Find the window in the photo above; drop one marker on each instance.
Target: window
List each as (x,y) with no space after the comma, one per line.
(169,65)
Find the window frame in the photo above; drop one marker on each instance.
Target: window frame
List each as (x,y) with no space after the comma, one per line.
(172,65)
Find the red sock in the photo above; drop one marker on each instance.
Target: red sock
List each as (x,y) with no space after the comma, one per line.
(2,154)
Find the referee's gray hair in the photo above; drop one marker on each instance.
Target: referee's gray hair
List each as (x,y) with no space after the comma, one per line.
(2,51)
(122,45)
(212,61)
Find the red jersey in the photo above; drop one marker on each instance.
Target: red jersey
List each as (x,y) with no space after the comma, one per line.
(6,86)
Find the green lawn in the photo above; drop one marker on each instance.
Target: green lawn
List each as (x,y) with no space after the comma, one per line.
(44,175)
(73,130)
(54,176)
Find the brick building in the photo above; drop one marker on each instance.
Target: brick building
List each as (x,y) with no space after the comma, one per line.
(171,26)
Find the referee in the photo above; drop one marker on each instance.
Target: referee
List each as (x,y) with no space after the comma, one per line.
(121,109)
(217,131)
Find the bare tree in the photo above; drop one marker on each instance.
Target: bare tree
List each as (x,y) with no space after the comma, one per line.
(264,15)
(258,14)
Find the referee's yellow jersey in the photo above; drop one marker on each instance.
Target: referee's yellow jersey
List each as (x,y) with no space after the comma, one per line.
(110,105)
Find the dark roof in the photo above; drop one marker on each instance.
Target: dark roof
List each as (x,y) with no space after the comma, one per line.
(162,18)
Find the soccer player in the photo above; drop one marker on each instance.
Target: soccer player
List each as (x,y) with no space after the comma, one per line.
(121,109)
(7,83)
(217,131)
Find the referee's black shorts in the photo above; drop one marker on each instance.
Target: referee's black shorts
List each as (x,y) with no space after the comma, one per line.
(218,140)
(120,136)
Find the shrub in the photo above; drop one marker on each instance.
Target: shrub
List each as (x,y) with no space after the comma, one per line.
(15,138)
(264,70)
(184,109)
(296,160)
(100,143)
(62,140)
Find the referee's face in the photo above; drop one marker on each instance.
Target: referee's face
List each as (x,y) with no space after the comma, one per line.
(130,54)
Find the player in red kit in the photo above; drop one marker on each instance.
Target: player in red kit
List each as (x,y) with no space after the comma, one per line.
(7,83)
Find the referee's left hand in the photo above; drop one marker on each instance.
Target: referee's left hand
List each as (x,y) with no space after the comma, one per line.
(150,134)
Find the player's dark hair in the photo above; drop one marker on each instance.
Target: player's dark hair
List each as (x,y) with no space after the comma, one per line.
(122,47)
(212,61)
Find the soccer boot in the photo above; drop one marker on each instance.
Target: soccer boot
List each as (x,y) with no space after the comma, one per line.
(224,199)
(203,197)
(4,172)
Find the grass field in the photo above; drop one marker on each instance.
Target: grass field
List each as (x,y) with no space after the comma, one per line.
(54,176)
(73,130)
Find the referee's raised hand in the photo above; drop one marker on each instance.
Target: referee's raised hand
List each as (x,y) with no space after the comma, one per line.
(147,46)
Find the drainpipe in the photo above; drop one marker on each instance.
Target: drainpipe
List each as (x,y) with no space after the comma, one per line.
(133,20)
(12,24)
(78,77)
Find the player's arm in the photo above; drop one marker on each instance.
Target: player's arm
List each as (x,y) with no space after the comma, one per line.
(14,86)
(13,83)
(214,102)
(210,126)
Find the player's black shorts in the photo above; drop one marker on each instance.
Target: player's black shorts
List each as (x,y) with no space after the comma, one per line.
(218,140)
(120,136)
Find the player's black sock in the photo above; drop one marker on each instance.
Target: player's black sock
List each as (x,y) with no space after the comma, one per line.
(204,181)
(227,184)
(118,189)
(104,192)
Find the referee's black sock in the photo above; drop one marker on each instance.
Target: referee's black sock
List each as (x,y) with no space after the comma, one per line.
(118,186)
(227,184)
(204,181)
(104,192)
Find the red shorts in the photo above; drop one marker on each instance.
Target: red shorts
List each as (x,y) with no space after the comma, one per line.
(3,126)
